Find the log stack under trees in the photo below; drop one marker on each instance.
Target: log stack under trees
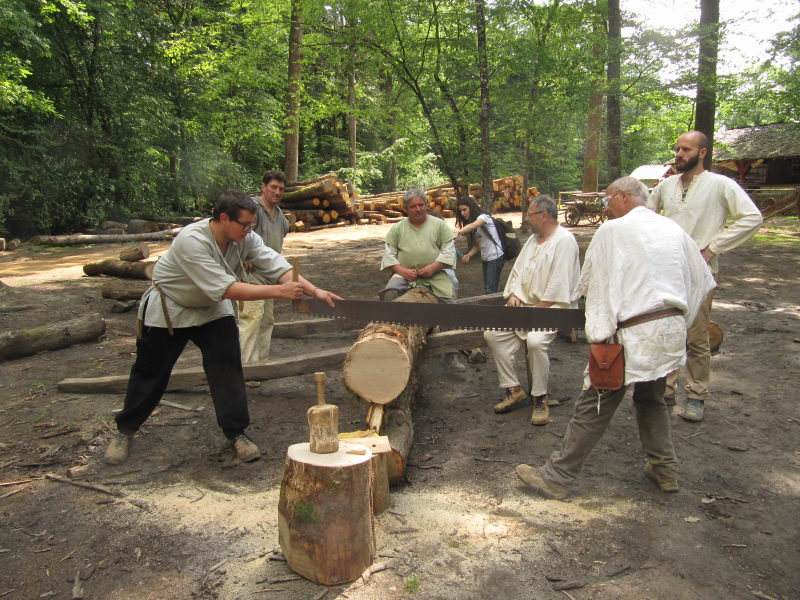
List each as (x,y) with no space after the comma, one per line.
(320,203)
(389,207)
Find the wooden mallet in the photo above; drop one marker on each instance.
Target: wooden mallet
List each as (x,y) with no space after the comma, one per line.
(323,421)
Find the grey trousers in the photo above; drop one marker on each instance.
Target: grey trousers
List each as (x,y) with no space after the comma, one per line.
(586,427)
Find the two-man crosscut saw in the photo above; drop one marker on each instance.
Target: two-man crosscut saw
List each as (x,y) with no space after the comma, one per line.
(449,316)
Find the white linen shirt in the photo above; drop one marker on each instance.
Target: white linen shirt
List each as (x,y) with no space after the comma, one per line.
(709,199)
(637,264)
(194,276)
(546,272)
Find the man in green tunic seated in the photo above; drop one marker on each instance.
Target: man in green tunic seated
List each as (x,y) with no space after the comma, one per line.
(418,250)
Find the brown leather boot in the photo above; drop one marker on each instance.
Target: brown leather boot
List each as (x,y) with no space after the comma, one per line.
(541,412)
(513,399)
(666,478)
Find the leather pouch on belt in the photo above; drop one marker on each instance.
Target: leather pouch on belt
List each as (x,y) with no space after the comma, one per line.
(606,366)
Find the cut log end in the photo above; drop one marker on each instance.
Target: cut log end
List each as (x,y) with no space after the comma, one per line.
(370,359)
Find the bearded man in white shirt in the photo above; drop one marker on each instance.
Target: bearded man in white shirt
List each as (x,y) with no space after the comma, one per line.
(700,202)
(644,280)
(544,275)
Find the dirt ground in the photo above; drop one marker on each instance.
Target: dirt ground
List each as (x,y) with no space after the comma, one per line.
(193,523)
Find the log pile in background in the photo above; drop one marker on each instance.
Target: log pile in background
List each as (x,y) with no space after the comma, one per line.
(320,203)
(389,207)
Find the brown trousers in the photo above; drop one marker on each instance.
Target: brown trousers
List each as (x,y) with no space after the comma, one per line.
(698,356)
(587,426)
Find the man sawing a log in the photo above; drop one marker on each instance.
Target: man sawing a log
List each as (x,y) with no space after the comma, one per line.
(190,298)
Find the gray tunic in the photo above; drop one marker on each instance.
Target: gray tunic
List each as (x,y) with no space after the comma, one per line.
(272,231)
(194,276)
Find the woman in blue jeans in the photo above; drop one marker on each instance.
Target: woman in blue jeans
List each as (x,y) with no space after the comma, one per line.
(483,237)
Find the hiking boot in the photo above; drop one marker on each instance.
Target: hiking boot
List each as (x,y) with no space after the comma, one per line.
(453,362)
(693,411)
(665,478)
(117,451)
(511,401)
(532,478)
(550,401)
(541,411)
(244,448)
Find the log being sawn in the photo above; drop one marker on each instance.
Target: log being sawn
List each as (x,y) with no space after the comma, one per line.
(381,368)
(291,366)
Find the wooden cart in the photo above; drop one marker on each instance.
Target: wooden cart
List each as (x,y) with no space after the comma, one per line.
(576,205)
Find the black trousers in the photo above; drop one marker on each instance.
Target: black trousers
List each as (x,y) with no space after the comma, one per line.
(156,354)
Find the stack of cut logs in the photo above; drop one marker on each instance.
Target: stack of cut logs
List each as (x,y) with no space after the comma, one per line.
(320,203)
(389,207)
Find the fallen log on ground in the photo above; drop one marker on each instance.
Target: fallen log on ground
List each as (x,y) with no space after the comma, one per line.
(120,289)
(77,239)
(290,366)
(134,253)
(24,342)
(120,268)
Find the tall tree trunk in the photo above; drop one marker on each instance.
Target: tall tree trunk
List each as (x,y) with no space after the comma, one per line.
(613,124)
(483,70)
(594,122)
(707,72)
(351,104)
(292,143)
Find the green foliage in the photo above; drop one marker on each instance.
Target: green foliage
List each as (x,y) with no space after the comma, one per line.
(114,107)
(411,583)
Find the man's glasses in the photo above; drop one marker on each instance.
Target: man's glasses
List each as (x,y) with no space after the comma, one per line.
(246,226)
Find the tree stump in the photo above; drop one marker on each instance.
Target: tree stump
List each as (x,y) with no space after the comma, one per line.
(381,453)
(325,522)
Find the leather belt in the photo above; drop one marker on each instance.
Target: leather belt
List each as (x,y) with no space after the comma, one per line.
(653,316)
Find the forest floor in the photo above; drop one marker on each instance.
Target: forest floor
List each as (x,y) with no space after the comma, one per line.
(194,523)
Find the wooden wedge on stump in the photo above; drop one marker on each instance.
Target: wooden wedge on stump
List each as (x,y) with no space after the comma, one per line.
(323,422)
(381,369)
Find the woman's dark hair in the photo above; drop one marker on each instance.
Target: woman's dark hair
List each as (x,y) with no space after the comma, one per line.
(474,211)
(231,202)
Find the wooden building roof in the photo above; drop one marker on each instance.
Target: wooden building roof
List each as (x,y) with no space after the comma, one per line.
(752,143)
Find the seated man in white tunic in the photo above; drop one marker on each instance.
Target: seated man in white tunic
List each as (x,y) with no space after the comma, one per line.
(644,280)
(544,275)
(194,285)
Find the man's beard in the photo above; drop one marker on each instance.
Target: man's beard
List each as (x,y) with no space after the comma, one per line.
(690,164)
